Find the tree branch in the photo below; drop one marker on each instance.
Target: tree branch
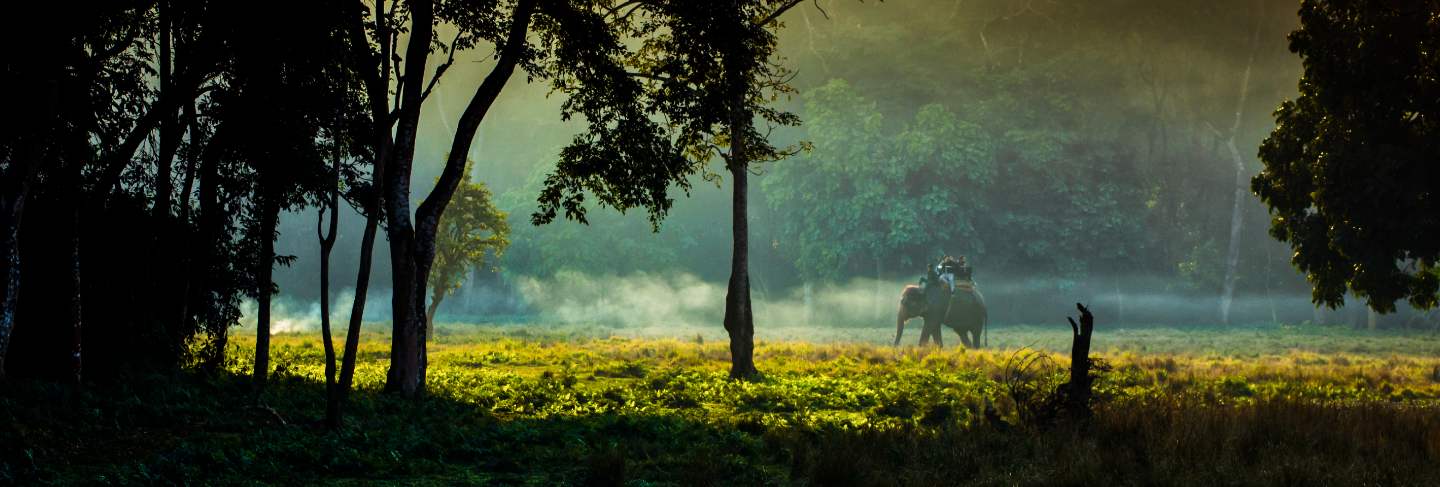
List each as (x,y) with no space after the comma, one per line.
(440,70)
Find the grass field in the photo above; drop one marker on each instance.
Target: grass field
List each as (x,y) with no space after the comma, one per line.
(540,405)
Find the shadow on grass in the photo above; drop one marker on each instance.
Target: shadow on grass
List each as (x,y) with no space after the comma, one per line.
(188,429)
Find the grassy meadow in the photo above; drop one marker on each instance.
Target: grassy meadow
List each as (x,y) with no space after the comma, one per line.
(550,405)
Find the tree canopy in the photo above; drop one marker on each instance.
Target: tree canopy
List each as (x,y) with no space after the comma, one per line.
(1351,166)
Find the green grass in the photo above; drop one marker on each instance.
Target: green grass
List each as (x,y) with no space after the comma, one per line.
(536,405)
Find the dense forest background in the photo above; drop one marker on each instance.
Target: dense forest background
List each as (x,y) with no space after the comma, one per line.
(1066,148)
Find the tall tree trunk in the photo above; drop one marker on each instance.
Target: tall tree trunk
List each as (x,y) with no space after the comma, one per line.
(212,225)
(14,189)
(75,174)
(169,125)
(377,69)
(414,252)
(186,253)
(76,321)
(10,262)
(265,266)
(404,374)
(341,392)
(1237,219)
(1242,187)
(739,319)
(327,242)
(39,108)
(427,217)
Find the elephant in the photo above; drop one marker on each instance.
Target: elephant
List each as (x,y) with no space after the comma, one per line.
(912,305)
(963,310)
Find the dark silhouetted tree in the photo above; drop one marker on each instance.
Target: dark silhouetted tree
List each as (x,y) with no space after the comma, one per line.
(1350,167)
(578,48)
(709,73)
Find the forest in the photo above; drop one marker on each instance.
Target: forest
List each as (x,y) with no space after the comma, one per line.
(740,242)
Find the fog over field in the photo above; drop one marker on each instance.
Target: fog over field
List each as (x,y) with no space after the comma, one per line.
(1084,149)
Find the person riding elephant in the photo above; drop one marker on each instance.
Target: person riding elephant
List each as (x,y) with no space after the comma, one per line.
(946,296)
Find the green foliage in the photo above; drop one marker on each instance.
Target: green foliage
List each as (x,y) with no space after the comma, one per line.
(955,183)
(1350,168)
(471,227)
(706,69)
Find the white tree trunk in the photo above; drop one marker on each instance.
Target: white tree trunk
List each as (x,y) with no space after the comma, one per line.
(1237,219)
(1232,259)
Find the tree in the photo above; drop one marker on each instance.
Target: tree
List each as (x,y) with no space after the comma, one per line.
(710,68)
(469,229)
(88,143)
(327,237)
(1350,168)
(579,50)
(37,73)
(279,103)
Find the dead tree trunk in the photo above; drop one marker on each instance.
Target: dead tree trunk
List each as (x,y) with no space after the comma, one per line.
(1242,187)
(1078,390)
(265,266)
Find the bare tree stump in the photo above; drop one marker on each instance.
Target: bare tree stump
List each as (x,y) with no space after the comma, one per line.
(1077,392)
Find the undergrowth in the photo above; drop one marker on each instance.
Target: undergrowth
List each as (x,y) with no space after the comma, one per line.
(573,409)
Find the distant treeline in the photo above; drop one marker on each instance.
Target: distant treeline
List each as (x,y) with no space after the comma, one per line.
(1064,140)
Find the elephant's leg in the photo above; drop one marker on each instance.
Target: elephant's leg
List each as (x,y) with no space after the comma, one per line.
(964,339)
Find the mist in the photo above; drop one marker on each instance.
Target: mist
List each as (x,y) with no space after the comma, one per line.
(1133,96)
